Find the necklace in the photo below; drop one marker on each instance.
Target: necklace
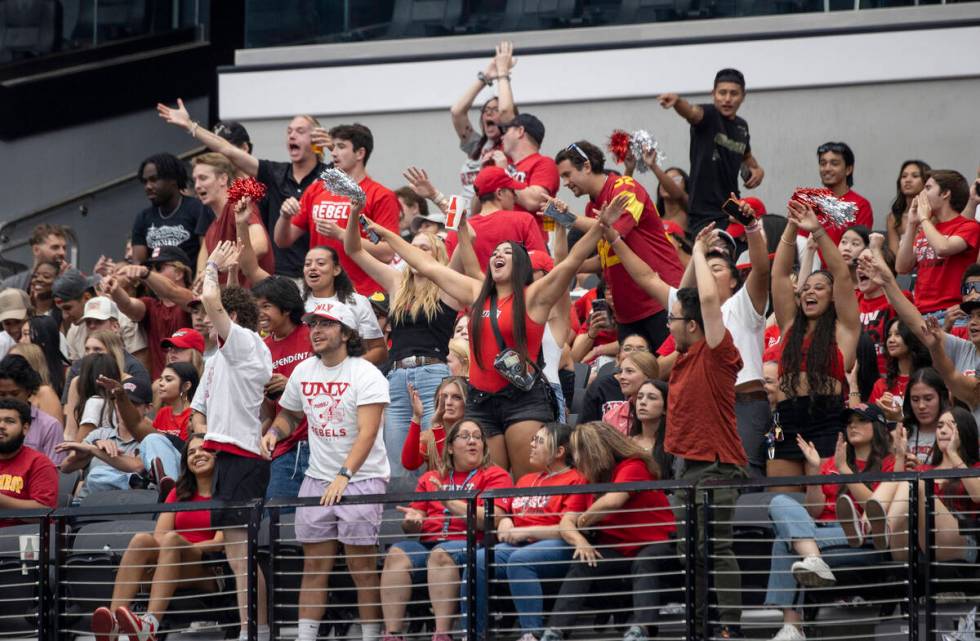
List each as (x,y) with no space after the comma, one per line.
(170,215)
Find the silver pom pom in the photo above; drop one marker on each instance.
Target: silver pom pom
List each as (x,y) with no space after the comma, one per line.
(343,185)
(641,141)
(830,210)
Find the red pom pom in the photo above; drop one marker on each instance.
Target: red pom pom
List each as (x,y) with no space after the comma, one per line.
(619,145)
(246,188)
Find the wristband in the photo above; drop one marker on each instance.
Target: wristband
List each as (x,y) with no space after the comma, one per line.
(211,263)
(787,242)
(484,78)
(193,130)
(618,238)
(753,228)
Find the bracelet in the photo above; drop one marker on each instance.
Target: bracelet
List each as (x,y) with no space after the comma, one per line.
(211,263)
(505,76)
(753,228)
(484,78)
(193,131)
(618,238)
(787,242)
(858,394)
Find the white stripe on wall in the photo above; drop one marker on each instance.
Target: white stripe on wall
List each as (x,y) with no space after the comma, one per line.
(786,63)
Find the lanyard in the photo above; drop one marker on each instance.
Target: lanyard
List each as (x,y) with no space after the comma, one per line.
(447,515)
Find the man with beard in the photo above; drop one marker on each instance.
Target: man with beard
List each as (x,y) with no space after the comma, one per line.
(28,479)
(172,218)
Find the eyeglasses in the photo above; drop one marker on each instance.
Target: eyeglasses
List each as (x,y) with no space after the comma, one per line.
(969,288)
(320,322)
(629,349)
(463,436)
(574,147)
(671,318)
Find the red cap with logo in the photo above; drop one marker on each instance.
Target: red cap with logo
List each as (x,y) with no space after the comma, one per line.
(185,338)
(492,178)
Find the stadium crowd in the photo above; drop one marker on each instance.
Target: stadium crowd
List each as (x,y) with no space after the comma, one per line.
(281,348)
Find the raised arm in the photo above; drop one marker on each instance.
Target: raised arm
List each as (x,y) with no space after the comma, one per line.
(673,190)
(239,157)
(211,291)
(461,287)
(783,295)
(691,113)
(385,275)
(905,256)
(285,233)
(942,244)
(879,272)
(131,307)
(714,326)
(757,282)
(138,425)
(965,388)
(163,287)
(543,294)
(247,259)
(503,62)
(460,111)
(644,276)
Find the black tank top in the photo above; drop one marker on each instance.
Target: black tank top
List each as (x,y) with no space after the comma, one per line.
(422,337)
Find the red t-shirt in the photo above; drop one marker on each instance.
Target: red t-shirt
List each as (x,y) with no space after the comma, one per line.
(701,406)
(493,228)
(225,228)
(583,306)
(541,171)
(159,322)
(954,496)
(167,422)
(831,490)
(875,315)
(938,283)
(547,509)
(319,204)
(286,355)
(193,526)
(485,378)
(897,390)
(643,231)
(28,476)
(645,518)
(435,522)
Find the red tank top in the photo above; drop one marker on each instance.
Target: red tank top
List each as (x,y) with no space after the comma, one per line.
(836,369)
(486,378)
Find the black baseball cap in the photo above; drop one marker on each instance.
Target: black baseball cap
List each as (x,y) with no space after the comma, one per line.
(868,412)
(969,305)
(233,132)
(532,126)
(72,284)
(168,254)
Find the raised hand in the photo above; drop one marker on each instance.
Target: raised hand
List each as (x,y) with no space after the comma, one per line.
(932,332)
(320,139)
(104,266)
(877,241)
(668,100)
(803,216)
(175,115)
(649,157)
(706,237)
(223,255)
(923,206)
(289,208)
(503,59)
(243,214)
(419,181)
(614,209)
(418,409)
(840,455)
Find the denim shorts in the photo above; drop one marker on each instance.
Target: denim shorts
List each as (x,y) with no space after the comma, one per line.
(496,411)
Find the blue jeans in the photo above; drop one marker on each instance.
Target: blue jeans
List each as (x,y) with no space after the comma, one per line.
(793,522)
(154,446)
(560,395)
(286,473)
(398,414)
(522,567)
(418,553)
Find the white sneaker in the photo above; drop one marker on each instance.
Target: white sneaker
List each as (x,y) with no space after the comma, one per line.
(878,521)
(813,572)
(527,636)
(789,633)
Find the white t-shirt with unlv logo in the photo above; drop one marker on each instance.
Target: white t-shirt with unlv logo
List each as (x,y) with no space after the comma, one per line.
(330,396)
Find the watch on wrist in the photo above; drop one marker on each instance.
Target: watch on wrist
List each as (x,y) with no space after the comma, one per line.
(345,472)
(484,78)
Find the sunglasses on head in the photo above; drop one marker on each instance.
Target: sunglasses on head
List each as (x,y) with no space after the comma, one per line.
(835,147)
(574,147)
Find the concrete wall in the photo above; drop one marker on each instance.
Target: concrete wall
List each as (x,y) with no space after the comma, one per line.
(884,124)
(44,169)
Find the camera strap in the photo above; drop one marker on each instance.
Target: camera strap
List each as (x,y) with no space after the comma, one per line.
(501,345)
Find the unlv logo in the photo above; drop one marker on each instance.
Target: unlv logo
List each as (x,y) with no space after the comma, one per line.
(316,388)
(331,210)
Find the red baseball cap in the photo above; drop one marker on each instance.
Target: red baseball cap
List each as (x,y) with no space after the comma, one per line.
(736,229)
(492,178)
(185,338)
(540,260)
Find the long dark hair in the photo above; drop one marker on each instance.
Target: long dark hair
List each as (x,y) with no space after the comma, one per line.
(93,366)
(866,357)
(186,486)
(926,376)
(664,460)
(343,287)
(559,435)
(966,429)
(44,333)
(918,353)
(880,448)
(186,373)
(899,205)
(521,276)
(819,356)
(483,132)
(660,199)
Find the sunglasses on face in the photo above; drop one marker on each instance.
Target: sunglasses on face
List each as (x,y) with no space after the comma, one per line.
(969,288)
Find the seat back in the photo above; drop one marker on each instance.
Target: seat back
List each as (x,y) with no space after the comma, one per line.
(419,18)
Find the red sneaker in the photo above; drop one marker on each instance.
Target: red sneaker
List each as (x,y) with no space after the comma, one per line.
(138,628)
(104,625)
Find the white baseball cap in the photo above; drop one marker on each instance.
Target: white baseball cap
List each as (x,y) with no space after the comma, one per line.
(335,311)
(100,308)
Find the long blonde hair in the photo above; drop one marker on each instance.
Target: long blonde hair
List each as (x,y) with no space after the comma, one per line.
(417,295)
(114,346)
(461,349)
(34,355)
(598,447)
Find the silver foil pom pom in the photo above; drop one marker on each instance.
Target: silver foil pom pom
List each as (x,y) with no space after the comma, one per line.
(343,185)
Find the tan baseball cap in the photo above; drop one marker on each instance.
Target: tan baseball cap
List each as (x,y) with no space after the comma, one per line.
(13,304)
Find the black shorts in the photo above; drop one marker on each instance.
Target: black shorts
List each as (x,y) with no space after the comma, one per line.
(818,422)
(237,479)
(496,411)
(653,328)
